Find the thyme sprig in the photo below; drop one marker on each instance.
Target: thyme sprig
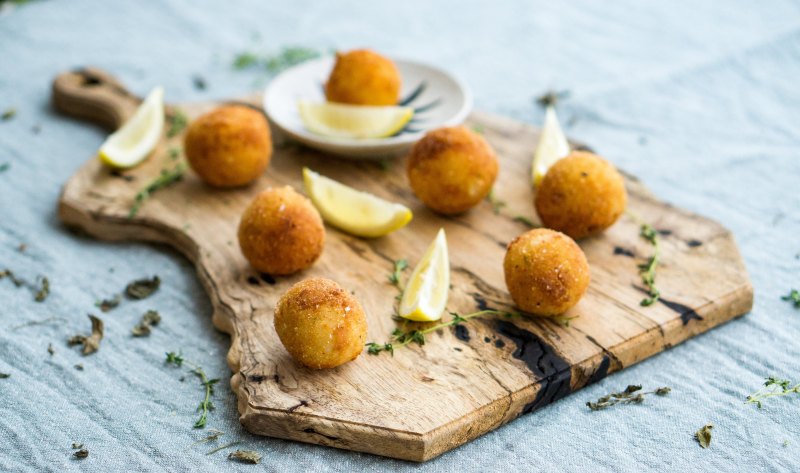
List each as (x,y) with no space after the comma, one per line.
(401,338)
(177,121)
(165,179)
(793,297)
(208,385)
(773,386)
(631,395)
(400,265)
(287,57)
(647,270)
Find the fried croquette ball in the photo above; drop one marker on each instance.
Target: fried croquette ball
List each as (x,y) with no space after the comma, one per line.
(229,146)
(281,232)
(546,272)
(452,169)
(320,324)
(581,195)
(363,77)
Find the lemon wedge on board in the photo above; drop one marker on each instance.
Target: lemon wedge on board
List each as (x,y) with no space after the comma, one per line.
(425,295)
(356,212)
(353,121)
(552,146)
(132,143)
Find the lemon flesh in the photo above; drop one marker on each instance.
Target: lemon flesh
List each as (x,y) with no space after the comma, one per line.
(353,121)
(425,296)
(358,213)
(137,138)
(552,146)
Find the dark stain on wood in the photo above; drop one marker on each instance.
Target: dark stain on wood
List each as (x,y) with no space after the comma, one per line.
(256,378)
(601,371)
(487,339)
(312,431)
(302,403)
(686,312)
(267,278)
(462,333)
(665,232)
(552,372)
(253,281)
(499,343)
(694,243)
(618,250)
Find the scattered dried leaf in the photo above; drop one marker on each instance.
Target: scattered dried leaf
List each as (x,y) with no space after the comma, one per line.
(142,288)
(90,343)
(106,305)
(703,435)
(245,456)
(149,319)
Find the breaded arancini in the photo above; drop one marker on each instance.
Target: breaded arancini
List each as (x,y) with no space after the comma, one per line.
(546,272)
(452,169)
(320,324)
(363,77)
(581,195)
(229,146)
(281,232)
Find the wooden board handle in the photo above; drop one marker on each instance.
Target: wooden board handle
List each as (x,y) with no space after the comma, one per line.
(94,95)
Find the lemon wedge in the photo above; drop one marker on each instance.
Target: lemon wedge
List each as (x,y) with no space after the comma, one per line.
(356,212)
(132,143)
(425,295)
(353,121)
(552,146)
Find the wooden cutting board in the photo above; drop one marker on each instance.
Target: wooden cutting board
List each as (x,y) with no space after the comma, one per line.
(465,381)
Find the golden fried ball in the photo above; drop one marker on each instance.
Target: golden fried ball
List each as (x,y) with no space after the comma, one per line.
(229,146)
(452,169)
(320,324)
(363,77)
(281,232)
(581,195)
(546,272)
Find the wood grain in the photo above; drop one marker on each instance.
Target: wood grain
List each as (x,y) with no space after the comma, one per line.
(424,400)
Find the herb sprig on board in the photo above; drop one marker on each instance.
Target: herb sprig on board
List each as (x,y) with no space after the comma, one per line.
(165,179)
(273,64)
(647,270)
(401,338)
(208,385)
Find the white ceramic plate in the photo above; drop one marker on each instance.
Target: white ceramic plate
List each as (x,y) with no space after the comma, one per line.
(438,98)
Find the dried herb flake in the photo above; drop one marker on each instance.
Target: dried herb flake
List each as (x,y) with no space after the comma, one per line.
(8,114)
(149,319)
(631,395)
(703,435)
(245,456)
(106,305)
(793,297)
(4,375)
(90,343)
(142,288)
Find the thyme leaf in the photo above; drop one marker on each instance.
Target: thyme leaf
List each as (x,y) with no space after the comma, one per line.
(401,338)
(286,58)
(793,297)
(703,435)
(165,179)
(773,386)
(82,453)
(633,394)
(4,375)
(91,343)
